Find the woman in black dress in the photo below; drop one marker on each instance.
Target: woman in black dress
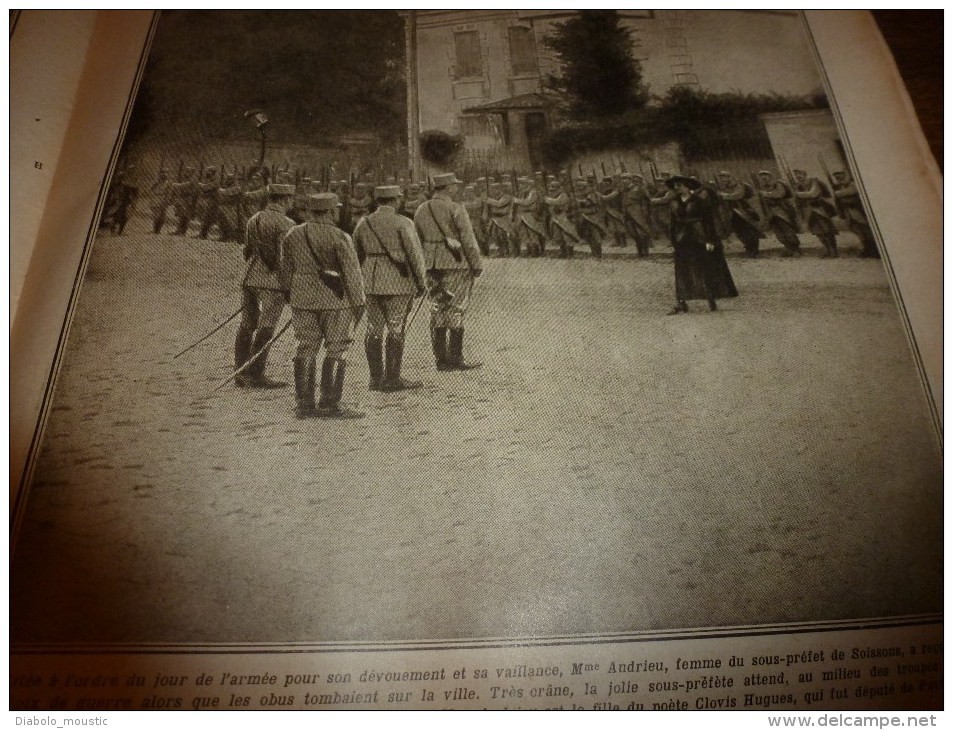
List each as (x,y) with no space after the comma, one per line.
(701,271)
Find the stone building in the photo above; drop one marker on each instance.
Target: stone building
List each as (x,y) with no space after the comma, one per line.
(481,73)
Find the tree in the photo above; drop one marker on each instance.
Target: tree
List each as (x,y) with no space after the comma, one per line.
(598,76)
(318,74)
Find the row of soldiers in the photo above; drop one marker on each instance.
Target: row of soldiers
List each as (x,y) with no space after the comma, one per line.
(522,216)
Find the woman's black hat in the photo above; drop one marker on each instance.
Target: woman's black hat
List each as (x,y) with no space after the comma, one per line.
(689,182)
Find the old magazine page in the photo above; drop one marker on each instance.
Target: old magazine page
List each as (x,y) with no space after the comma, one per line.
(538,359)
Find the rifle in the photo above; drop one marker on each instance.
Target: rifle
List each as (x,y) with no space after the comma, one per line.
(604,173)
(757,189)
(830,182)
(178,175)
(786,171)
(346,193)
(572,188)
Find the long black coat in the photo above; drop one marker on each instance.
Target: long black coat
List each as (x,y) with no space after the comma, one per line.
(699,273)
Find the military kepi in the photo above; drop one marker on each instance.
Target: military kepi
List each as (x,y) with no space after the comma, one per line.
(445,180)
(281,189)
(322,202)
(387,192)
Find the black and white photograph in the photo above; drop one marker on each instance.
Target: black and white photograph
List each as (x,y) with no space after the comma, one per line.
(438,325)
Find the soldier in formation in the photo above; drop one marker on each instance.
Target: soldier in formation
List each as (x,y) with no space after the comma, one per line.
(529,234)
(226,215)
(184,195)
(736,202)
(160,195)
(589,222)
(635,209)
(561,228)
(475,205)
(780,215)
(610,200)
(121,200)
(847,199)
(499,223)
(817,211)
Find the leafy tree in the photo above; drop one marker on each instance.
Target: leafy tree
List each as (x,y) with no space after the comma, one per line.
(318,75)
(598,76)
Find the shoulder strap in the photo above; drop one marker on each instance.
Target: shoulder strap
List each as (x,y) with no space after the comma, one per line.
(367,222)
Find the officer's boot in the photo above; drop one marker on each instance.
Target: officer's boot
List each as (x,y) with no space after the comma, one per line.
(395,354)
(304,387)
(438,338)
(455,352)
(327,387)
(374,347)
(242,352)
(256,370)
(334,409)
(620,241)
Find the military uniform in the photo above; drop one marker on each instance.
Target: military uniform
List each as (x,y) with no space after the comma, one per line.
(529,233)
(393,267)
(780,215)
(610,201)
(635,210)
(816,210)
(227,201)
(253,200)
(360,204)
(474,205)
(848,198)
(183,201)
(413,200)
(591,228)
(206,203)
(561,228)
(736,201)
(160,195)
(452,258)
(321,272)
(660,207)
(499,210)
(262,290)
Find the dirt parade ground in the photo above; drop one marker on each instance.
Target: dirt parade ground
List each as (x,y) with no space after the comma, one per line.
(608,469)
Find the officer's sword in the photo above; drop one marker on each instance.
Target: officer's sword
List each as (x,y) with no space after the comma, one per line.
(252,359)
(414,315)
(205,337)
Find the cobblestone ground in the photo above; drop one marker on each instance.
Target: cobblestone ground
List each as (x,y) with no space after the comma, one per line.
(608,469)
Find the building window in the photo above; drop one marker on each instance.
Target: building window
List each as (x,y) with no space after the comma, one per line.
(469,55)
(523,51)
